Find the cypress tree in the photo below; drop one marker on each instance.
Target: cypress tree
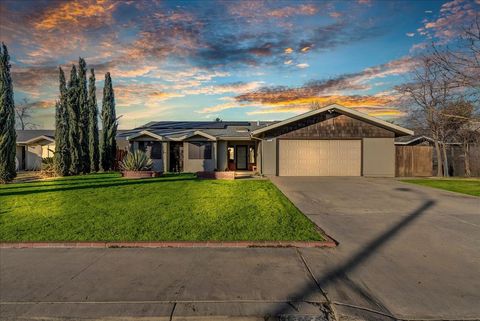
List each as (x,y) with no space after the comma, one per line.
(74,124)
(83,116)
(62,149)
(93,123)
(109,122)
(8,136)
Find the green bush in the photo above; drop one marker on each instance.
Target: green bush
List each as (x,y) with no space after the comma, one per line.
(136,161)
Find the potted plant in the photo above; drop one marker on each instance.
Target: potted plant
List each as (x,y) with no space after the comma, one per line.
(136,164)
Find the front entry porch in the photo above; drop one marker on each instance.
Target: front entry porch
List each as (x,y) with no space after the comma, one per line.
(241,156)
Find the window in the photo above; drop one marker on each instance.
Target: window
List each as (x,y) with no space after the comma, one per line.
(152,149)
(231,153)
(199,150)
(156,150)
(251,155)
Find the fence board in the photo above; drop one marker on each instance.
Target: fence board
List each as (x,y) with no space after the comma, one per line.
(413,161)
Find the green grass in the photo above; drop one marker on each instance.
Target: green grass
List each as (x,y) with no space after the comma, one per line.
(470,186)
(106,207)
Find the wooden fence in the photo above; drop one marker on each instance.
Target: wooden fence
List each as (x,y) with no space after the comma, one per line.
(414,161)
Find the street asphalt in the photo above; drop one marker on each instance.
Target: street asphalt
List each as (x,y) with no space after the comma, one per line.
(405,252)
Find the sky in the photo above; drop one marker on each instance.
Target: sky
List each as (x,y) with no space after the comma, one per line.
(236,60)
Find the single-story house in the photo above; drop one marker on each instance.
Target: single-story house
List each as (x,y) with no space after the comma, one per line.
(330,141)
(35,145)
(418,150)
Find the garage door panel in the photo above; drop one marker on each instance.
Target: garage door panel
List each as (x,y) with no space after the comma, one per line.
(319,158)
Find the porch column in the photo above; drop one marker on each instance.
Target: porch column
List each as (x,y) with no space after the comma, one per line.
(214,152)
(165,156)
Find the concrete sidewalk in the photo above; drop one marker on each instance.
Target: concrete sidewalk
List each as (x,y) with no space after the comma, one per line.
(169,284)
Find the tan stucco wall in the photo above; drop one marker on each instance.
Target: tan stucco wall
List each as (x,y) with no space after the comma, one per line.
(269,156)
(199,165)
(378,157)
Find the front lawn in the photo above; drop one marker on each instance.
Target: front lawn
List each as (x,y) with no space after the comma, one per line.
(470,186)
(106,207)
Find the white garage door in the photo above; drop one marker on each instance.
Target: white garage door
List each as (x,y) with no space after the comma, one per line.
(319,157)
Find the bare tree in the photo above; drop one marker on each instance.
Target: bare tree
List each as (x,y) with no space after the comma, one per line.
(24,115)
(428,94)
(461,62)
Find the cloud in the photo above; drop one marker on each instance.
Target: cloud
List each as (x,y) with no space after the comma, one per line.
(410,34)
(142,94)
(302,66)
(313,89)
(78,14)
(329,91)
(335,14)
(235,88)
(254,10)
(454,16)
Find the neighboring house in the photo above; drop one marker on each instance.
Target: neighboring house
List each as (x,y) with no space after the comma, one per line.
(330,141)
(34,145)
(455,154)
(413,140)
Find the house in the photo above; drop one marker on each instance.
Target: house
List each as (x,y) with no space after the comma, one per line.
(416,156)
(35,145)
(330,141)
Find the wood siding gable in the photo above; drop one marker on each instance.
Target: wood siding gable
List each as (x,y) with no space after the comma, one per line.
(330,126)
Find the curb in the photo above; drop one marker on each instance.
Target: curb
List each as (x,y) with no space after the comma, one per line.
(179,244)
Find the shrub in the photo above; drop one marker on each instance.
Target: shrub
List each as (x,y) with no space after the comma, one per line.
(136,161)
(48,168)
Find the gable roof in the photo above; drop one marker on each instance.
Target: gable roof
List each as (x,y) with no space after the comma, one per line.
(342,110)
(406,140)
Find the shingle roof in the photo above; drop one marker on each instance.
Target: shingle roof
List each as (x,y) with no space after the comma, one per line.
(29,134)
(411,138)
(178,129)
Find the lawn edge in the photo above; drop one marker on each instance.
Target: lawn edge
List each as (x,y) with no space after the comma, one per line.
(172,244)
(409,181)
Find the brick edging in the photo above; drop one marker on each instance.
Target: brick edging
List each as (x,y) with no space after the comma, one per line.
(179,244)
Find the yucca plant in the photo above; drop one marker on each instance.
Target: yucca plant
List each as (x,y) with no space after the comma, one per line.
(136,161)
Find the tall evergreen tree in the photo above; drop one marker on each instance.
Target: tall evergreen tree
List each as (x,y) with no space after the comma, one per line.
(62,148)
(73,120)
(8,135)
(93,123)
(83,116)
(109,130)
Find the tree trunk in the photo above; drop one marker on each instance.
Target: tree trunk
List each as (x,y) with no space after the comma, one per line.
(445,160)
(439,158)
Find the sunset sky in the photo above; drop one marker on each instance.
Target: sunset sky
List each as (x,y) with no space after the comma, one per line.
(237,60)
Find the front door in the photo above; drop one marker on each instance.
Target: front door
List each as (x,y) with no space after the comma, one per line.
(176,157)
(241,155)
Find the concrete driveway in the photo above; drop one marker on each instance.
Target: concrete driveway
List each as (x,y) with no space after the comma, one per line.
(404,250)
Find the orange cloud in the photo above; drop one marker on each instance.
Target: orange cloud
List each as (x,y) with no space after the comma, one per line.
(80,13)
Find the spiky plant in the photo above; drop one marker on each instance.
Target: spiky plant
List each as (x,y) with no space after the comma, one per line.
(136,161)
